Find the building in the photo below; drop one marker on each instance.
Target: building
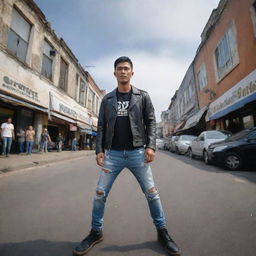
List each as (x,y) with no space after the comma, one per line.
(225,66)
(41,81)
(224,73)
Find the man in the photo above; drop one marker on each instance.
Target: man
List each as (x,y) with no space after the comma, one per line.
(126,139)
(45,138)
(7,135)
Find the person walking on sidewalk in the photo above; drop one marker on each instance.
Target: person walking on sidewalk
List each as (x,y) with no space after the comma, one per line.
(21,139)
(45,138)
(74,144)
(126,138)
(59,141)
(30,134)
(7,135)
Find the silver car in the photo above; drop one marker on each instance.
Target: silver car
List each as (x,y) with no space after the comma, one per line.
(183,143)
(199,146)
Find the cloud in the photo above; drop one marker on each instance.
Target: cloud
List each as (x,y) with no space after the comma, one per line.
(159,75)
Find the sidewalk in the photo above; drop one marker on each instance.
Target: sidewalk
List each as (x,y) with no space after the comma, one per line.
(16,162)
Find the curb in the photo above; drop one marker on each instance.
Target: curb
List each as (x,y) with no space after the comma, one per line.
(41,163)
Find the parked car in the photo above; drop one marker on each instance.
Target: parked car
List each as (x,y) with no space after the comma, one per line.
(172,144)
(236,151)
(160,143)
(167,143)
(183,143)
(199,146)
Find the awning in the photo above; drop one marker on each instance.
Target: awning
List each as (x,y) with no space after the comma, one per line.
(63,118)
(83,125)
(18,102)
(179,126)
(194,120)
(87,131)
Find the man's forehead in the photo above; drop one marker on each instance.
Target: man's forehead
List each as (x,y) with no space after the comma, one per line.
(123,64)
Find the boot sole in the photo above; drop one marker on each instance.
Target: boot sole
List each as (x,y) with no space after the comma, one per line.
(75,253)
(170,253)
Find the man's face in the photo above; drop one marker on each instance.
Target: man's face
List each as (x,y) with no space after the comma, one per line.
(9,120)
(123,72)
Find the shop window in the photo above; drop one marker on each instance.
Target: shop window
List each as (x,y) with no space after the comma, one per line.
(201,77)
(248,121)
(63,75)
(226,54)
(48,54)
(18,36)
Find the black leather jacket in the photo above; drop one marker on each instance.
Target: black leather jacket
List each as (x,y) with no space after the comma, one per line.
(141,115)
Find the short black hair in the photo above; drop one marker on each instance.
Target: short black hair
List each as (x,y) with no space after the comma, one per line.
(123,59)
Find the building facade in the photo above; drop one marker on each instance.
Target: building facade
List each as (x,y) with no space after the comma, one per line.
(41,81)
(225,66)
(224,71)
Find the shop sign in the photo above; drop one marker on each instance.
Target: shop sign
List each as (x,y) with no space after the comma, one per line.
(72,128)
(236,97)
(21,83)
(68,107)
(19,88)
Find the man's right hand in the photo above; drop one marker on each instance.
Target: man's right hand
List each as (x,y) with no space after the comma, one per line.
(100,159)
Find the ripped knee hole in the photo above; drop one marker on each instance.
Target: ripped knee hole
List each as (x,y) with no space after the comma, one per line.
(152,190)
(100,192)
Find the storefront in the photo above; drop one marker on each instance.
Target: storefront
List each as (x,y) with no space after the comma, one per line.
(235,109)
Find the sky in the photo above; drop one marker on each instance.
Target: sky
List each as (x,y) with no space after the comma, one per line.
(160,36)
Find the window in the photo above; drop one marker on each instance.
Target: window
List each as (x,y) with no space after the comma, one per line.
(190,90)
(82,92)
(253,16)
(226,55)
(18,36)
(90,99)
(201,77)
(63,75)
(48,54)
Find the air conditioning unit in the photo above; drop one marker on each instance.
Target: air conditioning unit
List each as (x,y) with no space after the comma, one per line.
(53,53)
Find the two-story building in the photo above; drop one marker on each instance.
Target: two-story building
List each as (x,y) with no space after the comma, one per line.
(41,81)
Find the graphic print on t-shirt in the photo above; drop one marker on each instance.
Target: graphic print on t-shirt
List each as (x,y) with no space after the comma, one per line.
(122,108)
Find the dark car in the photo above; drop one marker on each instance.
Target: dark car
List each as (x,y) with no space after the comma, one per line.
(236,151)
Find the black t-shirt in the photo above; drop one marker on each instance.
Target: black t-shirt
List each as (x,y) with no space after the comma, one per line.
(122,138)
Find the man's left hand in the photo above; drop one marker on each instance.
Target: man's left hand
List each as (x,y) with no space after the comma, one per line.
(149,155)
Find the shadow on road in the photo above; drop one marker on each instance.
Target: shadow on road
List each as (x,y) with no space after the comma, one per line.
(51,248)
(152,245)
(37,247)
(249,173)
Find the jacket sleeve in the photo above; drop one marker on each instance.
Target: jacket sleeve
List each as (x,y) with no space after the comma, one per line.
(150,122)
(101,129)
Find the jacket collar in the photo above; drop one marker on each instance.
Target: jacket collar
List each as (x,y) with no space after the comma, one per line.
(134,97)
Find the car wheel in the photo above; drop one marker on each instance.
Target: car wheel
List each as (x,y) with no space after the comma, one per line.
(190,153)
(206,157)
(232,161)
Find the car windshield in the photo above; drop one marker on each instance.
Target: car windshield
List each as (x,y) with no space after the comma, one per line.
(239,135)
(187,137)
(216,135)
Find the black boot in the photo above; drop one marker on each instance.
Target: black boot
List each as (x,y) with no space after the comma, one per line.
(166,241)
(93,238)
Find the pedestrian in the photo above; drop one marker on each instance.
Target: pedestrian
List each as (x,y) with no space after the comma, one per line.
(59,141)
(30,134)
(21,140)
(74,144)
(45,139)
(7,135)
(126,138)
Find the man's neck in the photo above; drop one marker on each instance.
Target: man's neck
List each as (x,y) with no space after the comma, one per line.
(124,87)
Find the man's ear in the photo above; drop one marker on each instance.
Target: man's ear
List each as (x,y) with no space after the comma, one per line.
(114,73)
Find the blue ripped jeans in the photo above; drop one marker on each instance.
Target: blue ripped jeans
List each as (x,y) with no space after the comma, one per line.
(115,162)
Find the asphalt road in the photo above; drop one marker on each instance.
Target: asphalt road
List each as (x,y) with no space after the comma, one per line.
(47,210)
